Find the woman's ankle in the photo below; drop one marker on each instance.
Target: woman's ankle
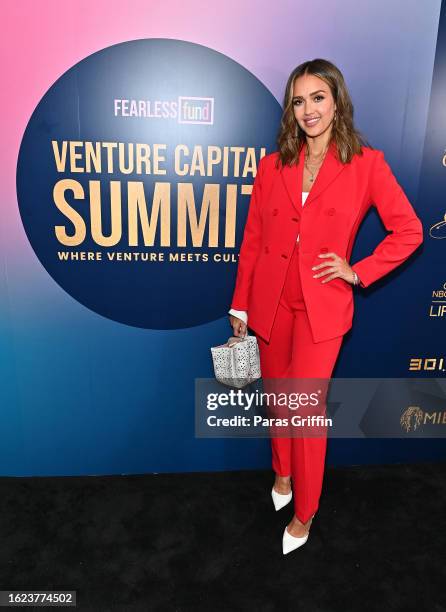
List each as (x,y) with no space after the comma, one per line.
(283,484)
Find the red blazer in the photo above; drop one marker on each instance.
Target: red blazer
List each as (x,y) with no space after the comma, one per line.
(328,222)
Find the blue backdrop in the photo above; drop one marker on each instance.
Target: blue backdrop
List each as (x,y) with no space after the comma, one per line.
(99,359)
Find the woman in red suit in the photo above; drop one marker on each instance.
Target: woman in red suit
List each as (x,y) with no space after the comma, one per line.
(294,280)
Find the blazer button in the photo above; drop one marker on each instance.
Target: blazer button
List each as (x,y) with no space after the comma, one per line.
(275,211)
(324,250)
(331,211)
(284,255)
(294,219)
(266,249)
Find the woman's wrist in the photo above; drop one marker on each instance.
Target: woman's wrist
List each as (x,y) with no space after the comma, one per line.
(356,279)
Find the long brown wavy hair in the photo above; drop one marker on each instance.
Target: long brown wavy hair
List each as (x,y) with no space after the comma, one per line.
(291,138)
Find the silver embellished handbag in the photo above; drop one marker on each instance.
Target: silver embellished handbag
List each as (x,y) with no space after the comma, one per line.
(237,363)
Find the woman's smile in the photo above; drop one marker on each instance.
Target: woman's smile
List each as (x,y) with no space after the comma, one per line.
(311,122)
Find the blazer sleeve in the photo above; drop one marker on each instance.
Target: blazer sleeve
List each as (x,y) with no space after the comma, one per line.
(398,216)
(250,247)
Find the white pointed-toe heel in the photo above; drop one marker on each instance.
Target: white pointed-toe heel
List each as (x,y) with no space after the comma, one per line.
(290,542)
(280,500)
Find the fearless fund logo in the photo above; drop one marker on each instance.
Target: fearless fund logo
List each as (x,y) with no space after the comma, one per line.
(193,110)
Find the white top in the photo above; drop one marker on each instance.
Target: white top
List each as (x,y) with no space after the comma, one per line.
(304,197)
(242,314)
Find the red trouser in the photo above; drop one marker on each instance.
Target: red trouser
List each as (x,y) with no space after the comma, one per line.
(292,353)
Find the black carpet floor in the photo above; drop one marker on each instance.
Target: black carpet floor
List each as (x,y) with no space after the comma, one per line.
(212,541)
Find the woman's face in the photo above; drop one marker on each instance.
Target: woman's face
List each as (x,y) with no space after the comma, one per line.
(313,104)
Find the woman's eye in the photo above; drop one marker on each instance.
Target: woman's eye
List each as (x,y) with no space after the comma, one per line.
(296,102)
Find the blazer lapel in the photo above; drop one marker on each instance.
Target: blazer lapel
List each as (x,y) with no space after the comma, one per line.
(293,177)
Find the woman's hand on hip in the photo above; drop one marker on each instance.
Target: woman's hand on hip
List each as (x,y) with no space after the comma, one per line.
(238,326)
(335,267)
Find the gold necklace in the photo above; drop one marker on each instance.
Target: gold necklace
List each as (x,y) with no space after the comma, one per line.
(314,165)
